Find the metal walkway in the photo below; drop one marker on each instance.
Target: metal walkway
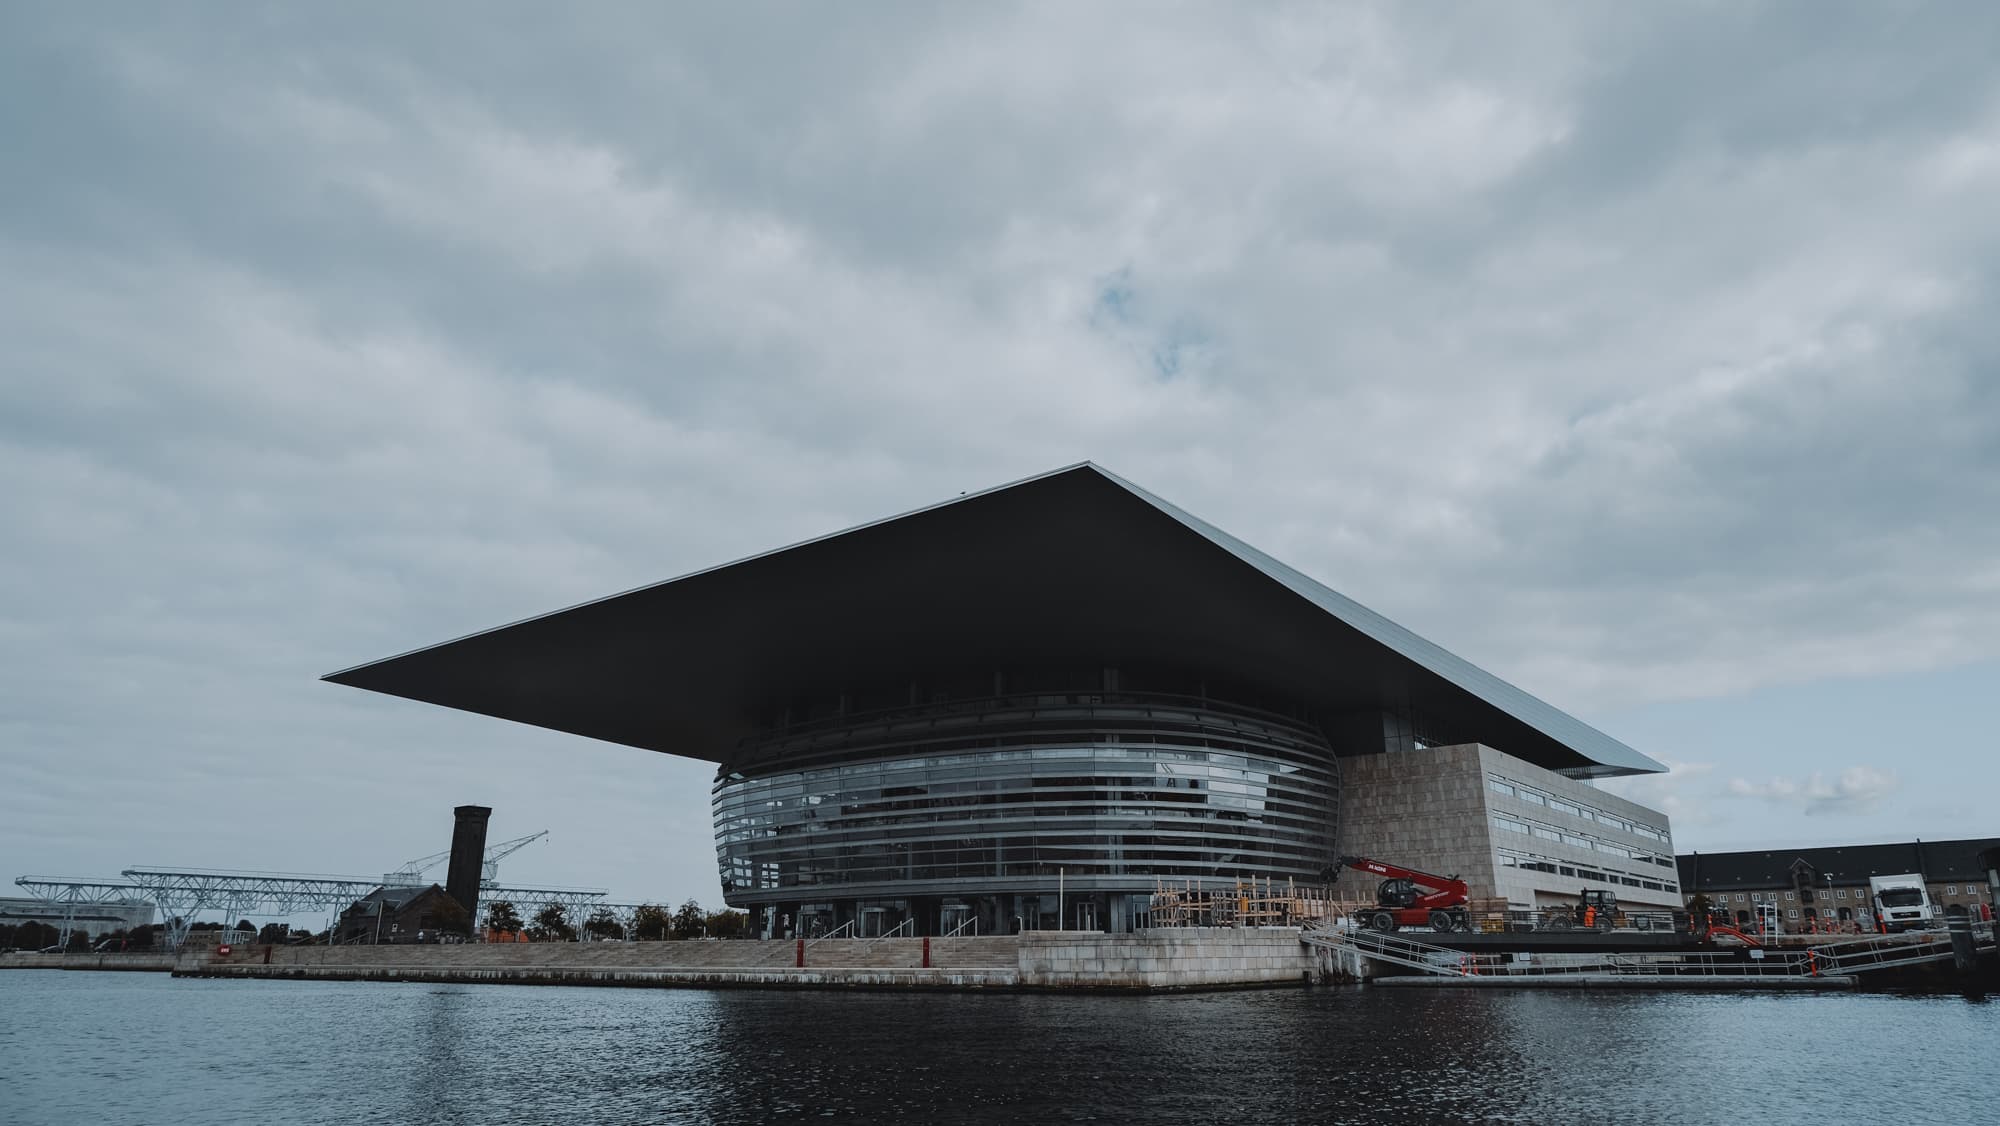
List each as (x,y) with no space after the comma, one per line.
(1828,960)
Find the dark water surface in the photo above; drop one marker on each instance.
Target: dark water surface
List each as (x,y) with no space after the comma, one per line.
(81,1048)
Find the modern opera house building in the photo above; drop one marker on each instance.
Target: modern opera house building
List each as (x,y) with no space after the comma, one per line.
(1062,681)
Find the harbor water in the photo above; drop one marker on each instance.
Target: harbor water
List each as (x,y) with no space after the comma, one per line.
(147,1048)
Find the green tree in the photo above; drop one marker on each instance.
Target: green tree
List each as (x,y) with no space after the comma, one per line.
(689,920)
(447,914)
(552,925)
(650,923)
(728,924)
(501,918)
(603,924)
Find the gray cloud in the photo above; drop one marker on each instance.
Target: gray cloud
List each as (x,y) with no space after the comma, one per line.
(1638,356)
(1856,789)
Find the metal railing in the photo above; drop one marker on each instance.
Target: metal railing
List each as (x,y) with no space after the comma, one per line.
(905,929)
(844,930)
(970,921)
(1515,921)
(1834,959)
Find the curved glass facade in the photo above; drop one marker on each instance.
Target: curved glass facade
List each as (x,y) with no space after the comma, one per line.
(966,807)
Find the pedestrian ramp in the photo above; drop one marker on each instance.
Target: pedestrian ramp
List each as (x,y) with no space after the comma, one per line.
(1833,961)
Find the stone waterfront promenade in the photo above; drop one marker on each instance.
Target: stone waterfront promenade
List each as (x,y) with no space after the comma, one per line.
(1160,959)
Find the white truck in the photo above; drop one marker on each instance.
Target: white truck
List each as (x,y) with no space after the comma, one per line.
(1901,902)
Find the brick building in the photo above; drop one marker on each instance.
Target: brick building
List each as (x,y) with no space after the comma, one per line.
(1814,887)
(398,915)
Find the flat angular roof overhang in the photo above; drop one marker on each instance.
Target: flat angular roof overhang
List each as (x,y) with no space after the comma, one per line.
(1071,567)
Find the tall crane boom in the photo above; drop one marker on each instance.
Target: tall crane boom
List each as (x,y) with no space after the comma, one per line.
(490,869)
(411,874)
(1398,903)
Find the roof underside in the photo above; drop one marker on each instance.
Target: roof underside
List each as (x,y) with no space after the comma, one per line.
(1071,567)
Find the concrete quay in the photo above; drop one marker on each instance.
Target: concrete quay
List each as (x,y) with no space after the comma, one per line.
(1154,960)
(142,962)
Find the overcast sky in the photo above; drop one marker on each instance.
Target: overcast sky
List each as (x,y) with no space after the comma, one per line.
(1645,358)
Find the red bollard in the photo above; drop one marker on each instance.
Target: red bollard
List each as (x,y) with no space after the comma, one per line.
(802,954)
(927,952)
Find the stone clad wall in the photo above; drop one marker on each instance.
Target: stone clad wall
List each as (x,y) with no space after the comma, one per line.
(1165,958)
(1162,958)
(127,961)
(1420,809)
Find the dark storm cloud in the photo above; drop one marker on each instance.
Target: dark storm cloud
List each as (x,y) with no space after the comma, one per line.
(1636,355)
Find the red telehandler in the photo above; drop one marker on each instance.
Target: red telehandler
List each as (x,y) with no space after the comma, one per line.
(1398,903)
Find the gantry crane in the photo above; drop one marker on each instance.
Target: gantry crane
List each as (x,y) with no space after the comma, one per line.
(412,873)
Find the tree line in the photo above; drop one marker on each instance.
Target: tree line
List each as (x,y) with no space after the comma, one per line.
(650,923)
(32,936)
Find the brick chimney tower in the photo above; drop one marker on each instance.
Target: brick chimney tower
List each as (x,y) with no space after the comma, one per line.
(468,859)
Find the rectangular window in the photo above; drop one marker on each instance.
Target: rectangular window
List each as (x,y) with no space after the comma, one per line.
(1951,889)
(1789,896)
(1532,797)
(1739,897)
(1499,787)
(1840,893)
(1795,912)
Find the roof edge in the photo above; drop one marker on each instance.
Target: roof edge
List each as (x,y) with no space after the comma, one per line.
(337,675)
(1424,652)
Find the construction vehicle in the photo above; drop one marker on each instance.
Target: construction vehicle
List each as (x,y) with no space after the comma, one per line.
(1595,909)
(1400,903)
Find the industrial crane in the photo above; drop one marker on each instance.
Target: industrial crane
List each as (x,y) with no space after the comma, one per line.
(1398,903)
(412,873)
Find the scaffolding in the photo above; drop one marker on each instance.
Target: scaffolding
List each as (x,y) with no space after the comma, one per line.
(1254,902)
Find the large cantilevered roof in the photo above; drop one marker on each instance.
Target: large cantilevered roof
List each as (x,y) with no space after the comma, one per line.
(1076,566)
